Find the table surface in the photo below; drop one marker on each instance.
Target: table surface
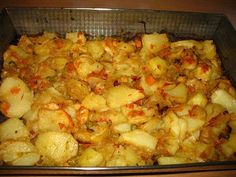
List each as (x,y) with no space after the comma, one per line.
(227,7)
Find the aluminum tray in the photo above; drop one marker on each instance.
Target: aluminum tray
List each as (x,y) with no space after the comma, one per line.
(124,23)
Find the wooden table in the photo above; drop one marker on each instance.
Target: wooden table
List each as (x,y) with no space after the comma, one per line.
(227,7)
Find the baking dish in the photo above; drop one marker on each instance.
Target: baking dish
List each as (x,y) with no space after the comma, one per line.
(123,23)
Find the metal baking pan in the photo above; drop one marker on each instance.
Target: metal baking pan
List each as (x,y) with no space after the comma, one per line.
(124,23)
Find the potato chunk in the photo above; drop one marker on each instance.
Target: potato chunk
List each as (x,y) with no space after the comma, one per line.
(171,160)
(224,99)
(179,93)
(90,157)
(27,159)
(154,42)
(85,65)
(139,138)
(77,89)
(16,97)
(58,146)
(158,66)
(13,129)
(209,49)
(18,153)
(54,120)
(199,99)
(95,102)
(122,95)
(95,48)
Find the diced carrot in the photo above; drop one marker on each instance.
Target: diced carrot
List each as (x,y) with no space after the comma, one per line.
(15,90)
(138,43)
(188,59)
(59,43)
(164,52)
(103,119)
(101,74)
(191,89)
(98,90)
(86,145)
(150,80)
(136,113)
(204,67)
(5,107)
(130,106)
(61,125)
(79,34)
(70,66)
(139,102)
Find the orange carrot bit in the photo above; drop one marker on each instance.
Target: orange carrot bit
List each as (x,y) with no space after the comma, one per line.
(70,66)
(15,90)
(135,113)
(138,43)
(104,119)
(205,68)
(86,145)
(101,74)
(61,125)
(130,106)
(5,107)
(150,80)
(59,43)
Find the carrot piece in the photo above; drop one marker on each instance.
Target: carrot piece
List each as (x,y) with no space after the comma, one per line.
(135,113)
(150,80)
(15,90)
(5,107)
(59,43)
(70,66)
(61,125)
(130,106)
(86,145)
(138,43)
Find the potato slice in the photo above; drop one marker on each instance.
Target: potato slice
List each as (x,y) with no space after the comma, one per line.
(153,43)
(171,160)
(194,124)
(13,151)
(187,44)
(28,159)
(140,139)
(85,65)
(90,157)
(16,96)
(158,66)
(54,120)
(58,146)
(95,102)
(223,98)
(76,37)
(179,93)
(13,129)
(199,99)
(209,49)
(77,89)
(122,95)
(121,128)
(95,49)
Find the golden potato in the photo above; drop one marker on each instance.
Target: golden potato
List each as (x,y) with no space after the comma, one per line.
(19,153)
(15,96)
(13,129)
(122,95)
(90,157)
(58,146)
(139,138)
